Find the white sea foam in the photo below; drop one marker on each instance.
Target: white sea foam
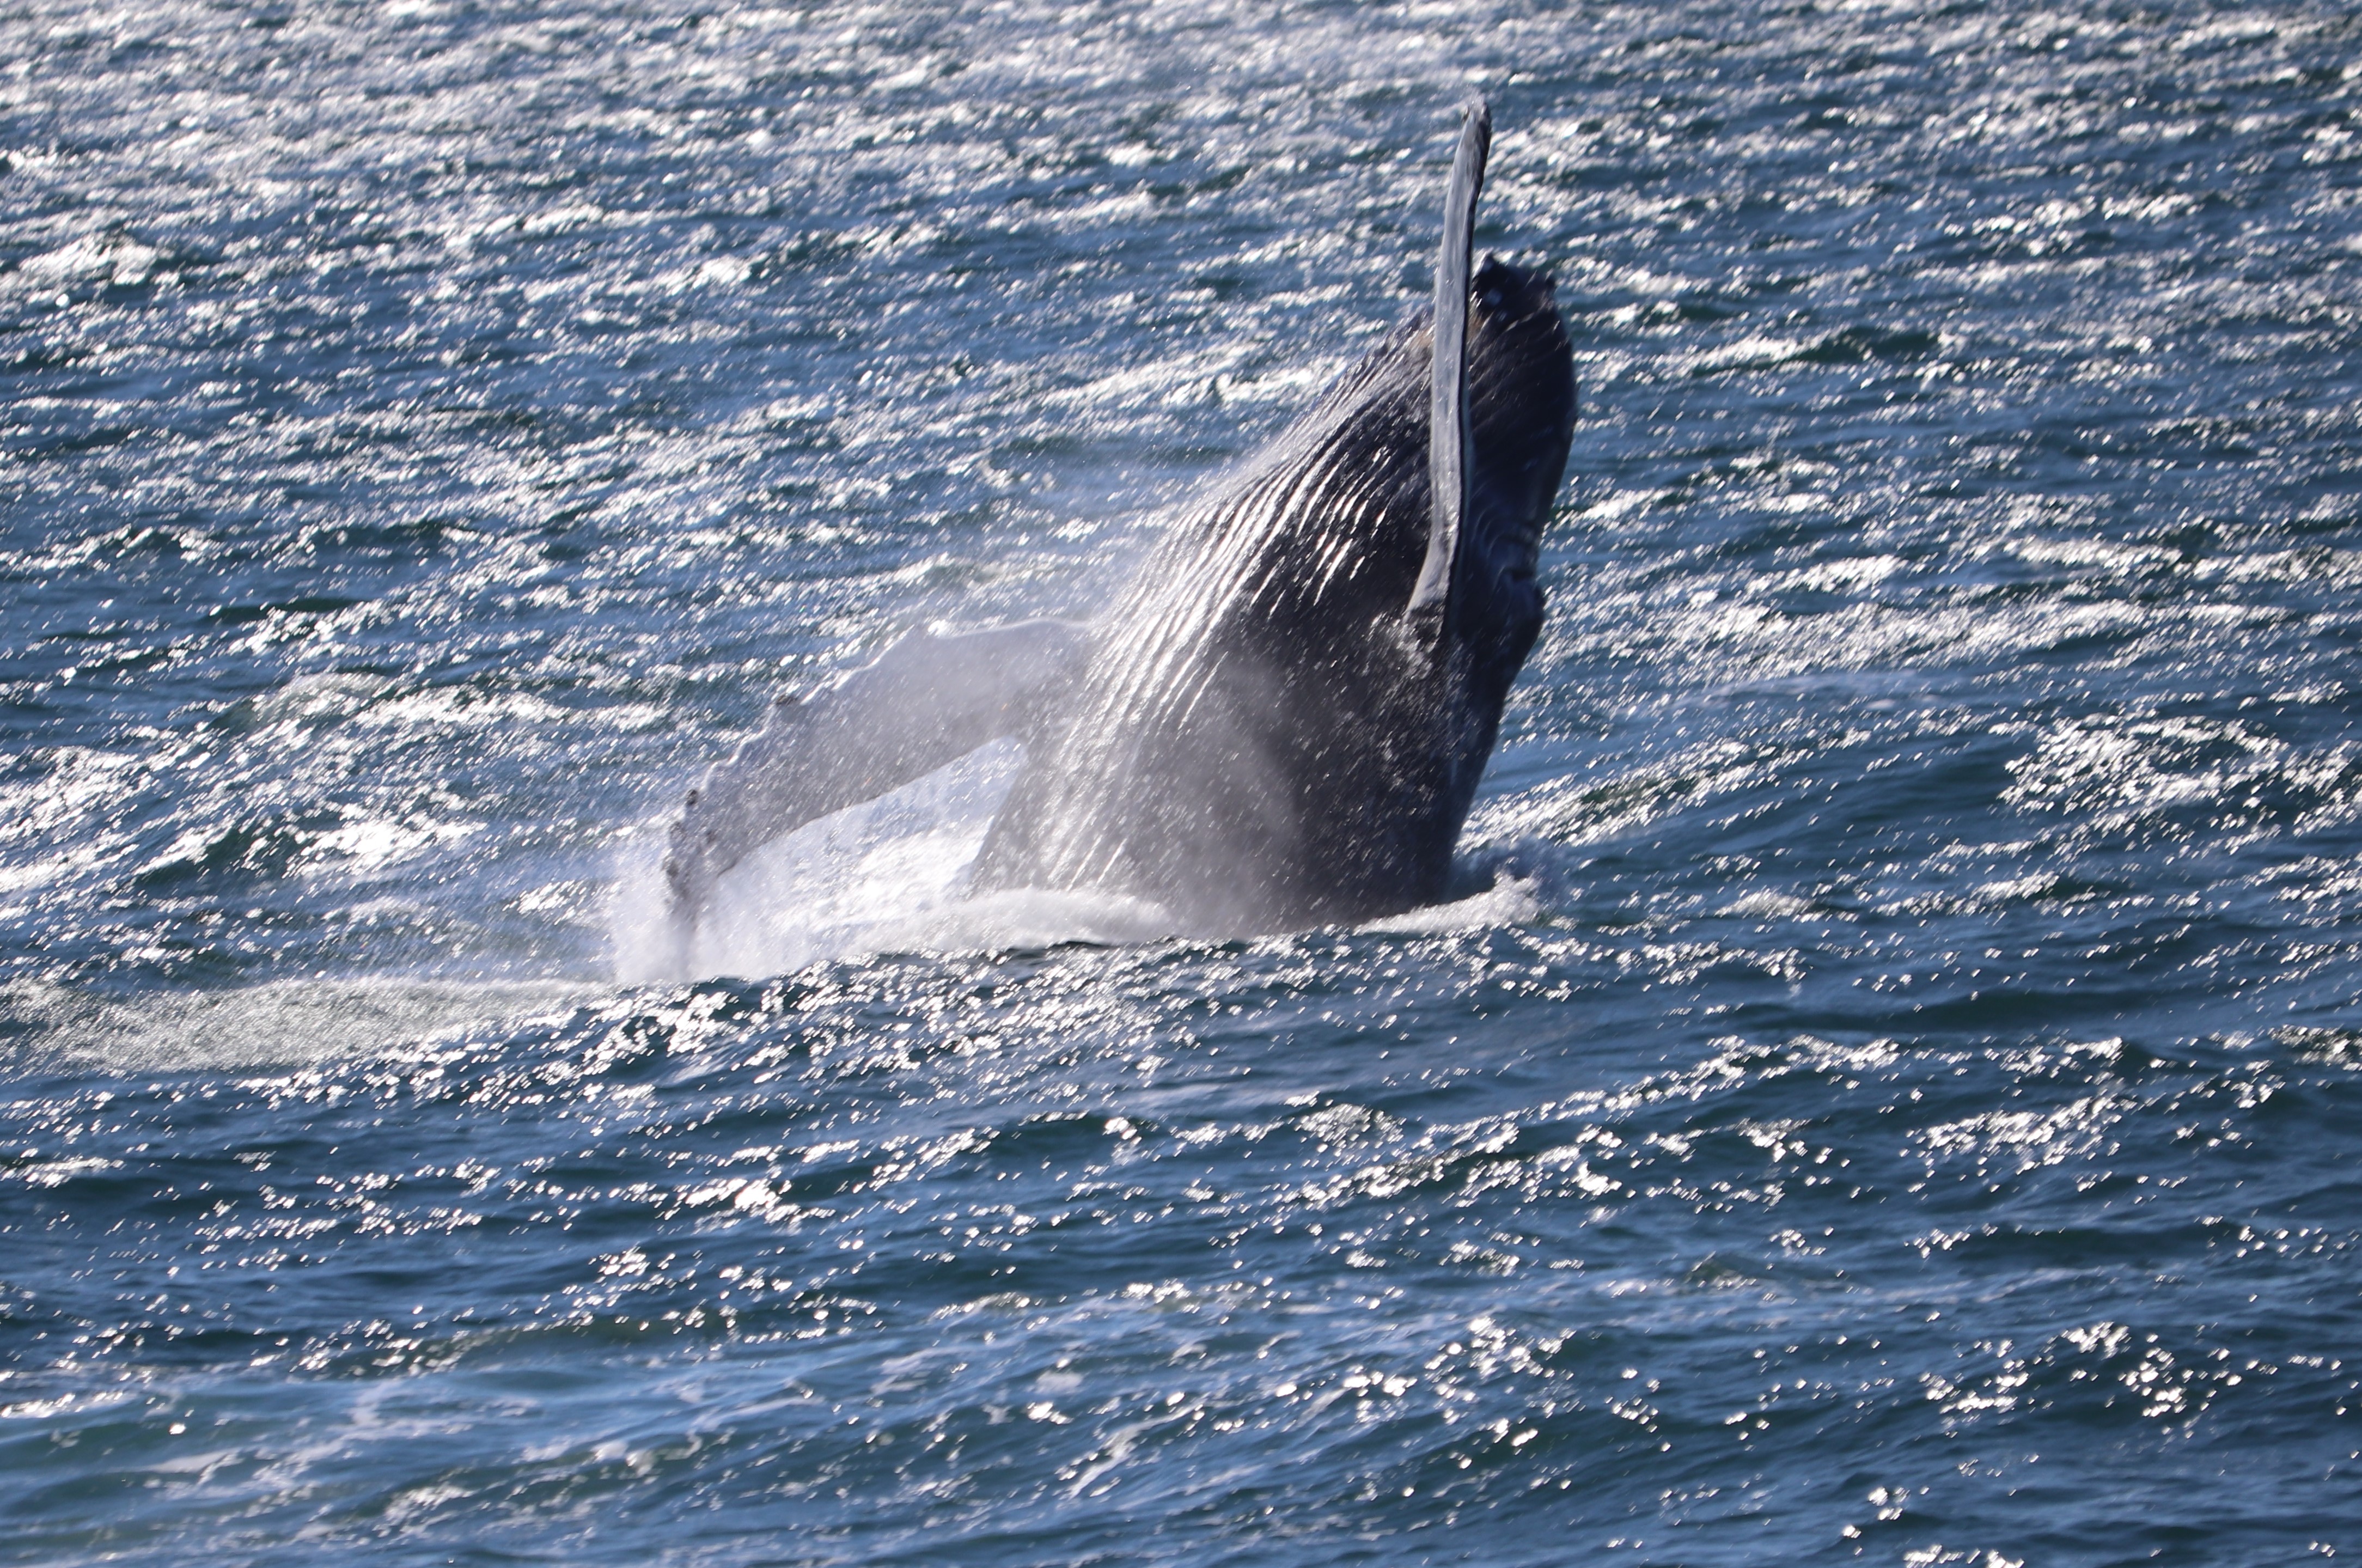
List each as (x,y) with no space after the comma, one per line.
(1509,902)
(277,1023)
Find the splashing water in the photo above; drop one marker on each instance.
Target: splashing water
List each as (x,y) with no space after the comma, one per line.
(1886,1088)
(889,875)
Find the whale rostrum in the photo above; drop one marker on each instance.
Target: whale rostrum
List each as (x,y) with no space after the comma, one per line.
(1282,721)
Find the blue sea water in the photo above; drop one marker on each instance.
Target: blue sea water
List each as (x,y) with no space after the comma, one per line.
(1890,1091)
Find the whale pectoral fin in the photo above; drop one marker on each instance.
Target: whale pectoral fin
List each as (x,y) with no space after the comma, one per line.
(927,700)
(1447,425)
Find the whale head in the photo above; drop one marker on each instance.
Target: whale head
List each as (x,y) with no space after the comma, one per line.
(1521,405)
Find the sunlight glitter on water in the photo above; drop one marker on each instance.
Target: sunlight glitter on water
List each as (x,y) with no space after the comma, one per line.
(1887,1088)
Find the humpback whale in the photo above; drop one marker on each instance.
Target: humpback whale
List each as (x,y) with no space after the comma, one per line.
(1283,719)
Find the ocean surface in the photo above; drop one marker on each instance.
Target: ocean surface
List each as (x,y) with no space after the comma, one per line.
(1887,1086)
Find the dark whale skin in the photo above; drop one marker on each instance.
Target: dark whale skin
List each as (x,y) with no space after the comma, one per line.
(1253,740)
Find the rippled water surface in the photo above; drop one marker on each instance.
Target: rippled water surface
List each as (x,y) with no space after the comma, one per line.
(1889,1090)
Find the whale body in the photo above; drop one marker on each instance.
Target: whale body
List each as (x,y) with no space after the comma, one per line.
(1283,721)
